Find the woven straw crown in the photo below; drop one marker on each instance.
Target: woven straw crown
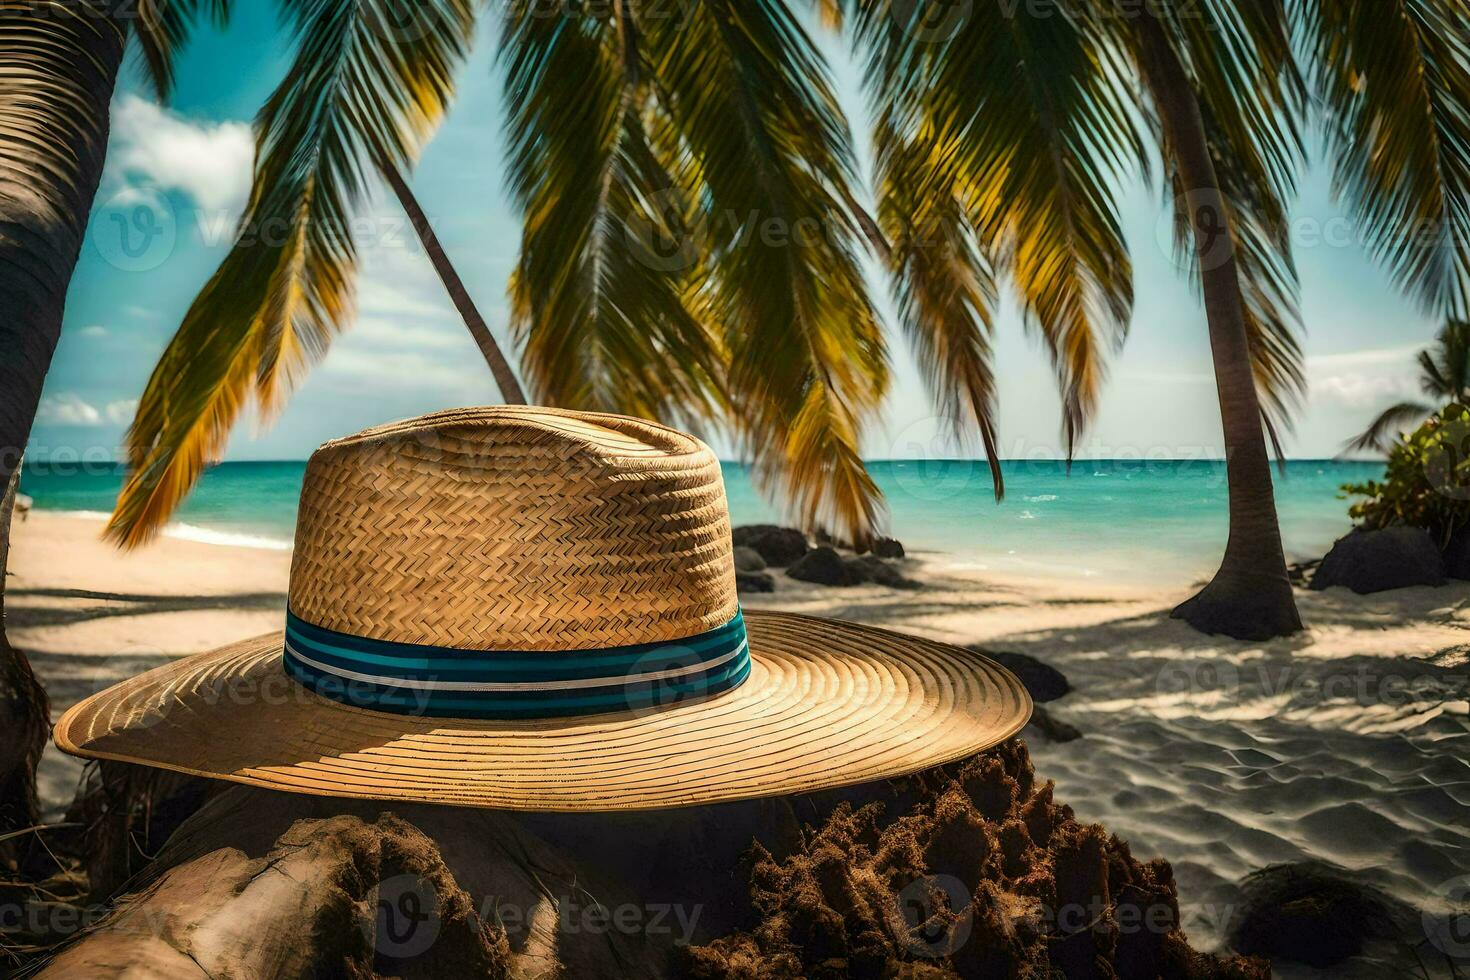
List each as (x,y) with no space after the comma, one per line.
(515,528)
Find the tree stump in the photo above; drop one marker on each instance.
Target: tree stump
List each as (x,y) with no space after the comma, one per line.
(954,872)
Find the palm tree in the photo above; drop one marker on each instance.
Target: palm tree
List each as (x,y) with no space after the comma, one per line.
(990,123)
(999,139)
(1444,375)
(1250,596)
(710,266)
(61,62)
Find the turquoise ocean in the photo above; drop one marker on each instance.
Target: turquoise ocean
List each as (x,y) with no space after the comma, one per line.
(1144,521)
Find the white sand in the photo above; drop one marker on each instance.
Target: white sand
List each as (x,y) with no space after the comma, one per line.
(1347,744)
(88,615)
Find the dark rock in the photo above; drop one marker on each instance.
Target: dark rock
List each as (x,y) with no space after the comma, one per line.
(1373,561)
(866,568)
(779,546)
(1052,728)
(1042,681)
(747,559)
(754,582)
(887,548)
(1457,555)
(823,566)
(1309,912)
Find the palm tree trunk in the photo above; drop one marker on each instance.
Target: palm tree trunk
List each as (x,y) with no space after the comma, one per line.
(61,60)
(505,378)
(1250,597)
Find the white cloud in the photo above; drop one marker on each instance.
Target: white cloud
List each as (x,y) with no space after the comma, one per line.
(121,411)
(1365,378)
(67,408)
(404,370)
(95,330)
(154,147)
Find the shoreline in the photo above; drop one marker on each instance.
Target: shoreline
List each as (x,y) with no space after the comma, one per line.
(925,560)
(179,530)
(1347,744)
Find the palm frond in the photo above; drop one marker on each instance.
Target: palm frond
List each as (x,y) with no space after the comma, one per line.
(599,295)
(753,116)
(364,85)
(163,28)
(1250,89)
(1432,380)
(1393,80)
(830,13)
(1035,126)
(1380,435)
(944,289)
(1445,368)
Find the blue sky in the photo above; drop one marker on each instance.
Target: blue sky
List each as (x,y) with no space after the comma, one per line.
(409,353)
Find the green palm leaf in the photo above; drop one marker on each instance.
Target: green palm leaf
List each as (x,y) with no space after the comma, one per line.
(943,288)
(364,86)
(599,293)
(1393,79)
(1035,127)
(1381,432)
(766,152)
(1445,368)
(163,27)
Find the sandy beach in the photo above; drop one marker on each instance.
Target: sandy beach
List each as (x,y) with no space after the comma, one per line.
(1346,744)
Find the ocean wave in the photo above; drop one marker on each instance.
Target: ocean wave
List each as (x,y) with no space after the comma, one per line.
(193,532)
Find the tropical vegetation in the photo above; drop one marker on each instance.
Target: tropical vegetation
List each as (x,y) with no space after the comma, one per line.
(1427,480)
(1444,376)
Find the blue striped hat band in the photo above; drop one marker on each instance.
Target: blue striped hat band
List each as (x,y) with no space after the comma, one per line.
(413,679)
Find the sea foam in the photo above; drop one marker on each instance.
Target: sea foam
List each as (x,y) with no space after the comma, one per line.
(193,532)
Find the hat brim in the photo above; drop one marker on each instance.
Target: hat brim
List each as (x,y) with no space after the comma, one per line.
(826,704)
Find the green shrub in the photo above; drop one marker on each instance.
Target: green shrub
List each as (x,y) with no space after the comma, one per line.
(1427,482)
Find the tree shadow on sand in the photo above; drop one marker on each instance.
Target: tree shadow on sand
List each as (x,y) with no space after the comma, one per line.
(25,615)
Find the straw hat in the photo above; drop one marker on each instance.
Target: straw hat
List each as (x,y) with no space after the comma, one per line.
(535,609)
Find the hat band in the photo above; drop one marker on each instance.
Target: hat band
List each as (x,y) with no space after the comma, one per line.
(416,679)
